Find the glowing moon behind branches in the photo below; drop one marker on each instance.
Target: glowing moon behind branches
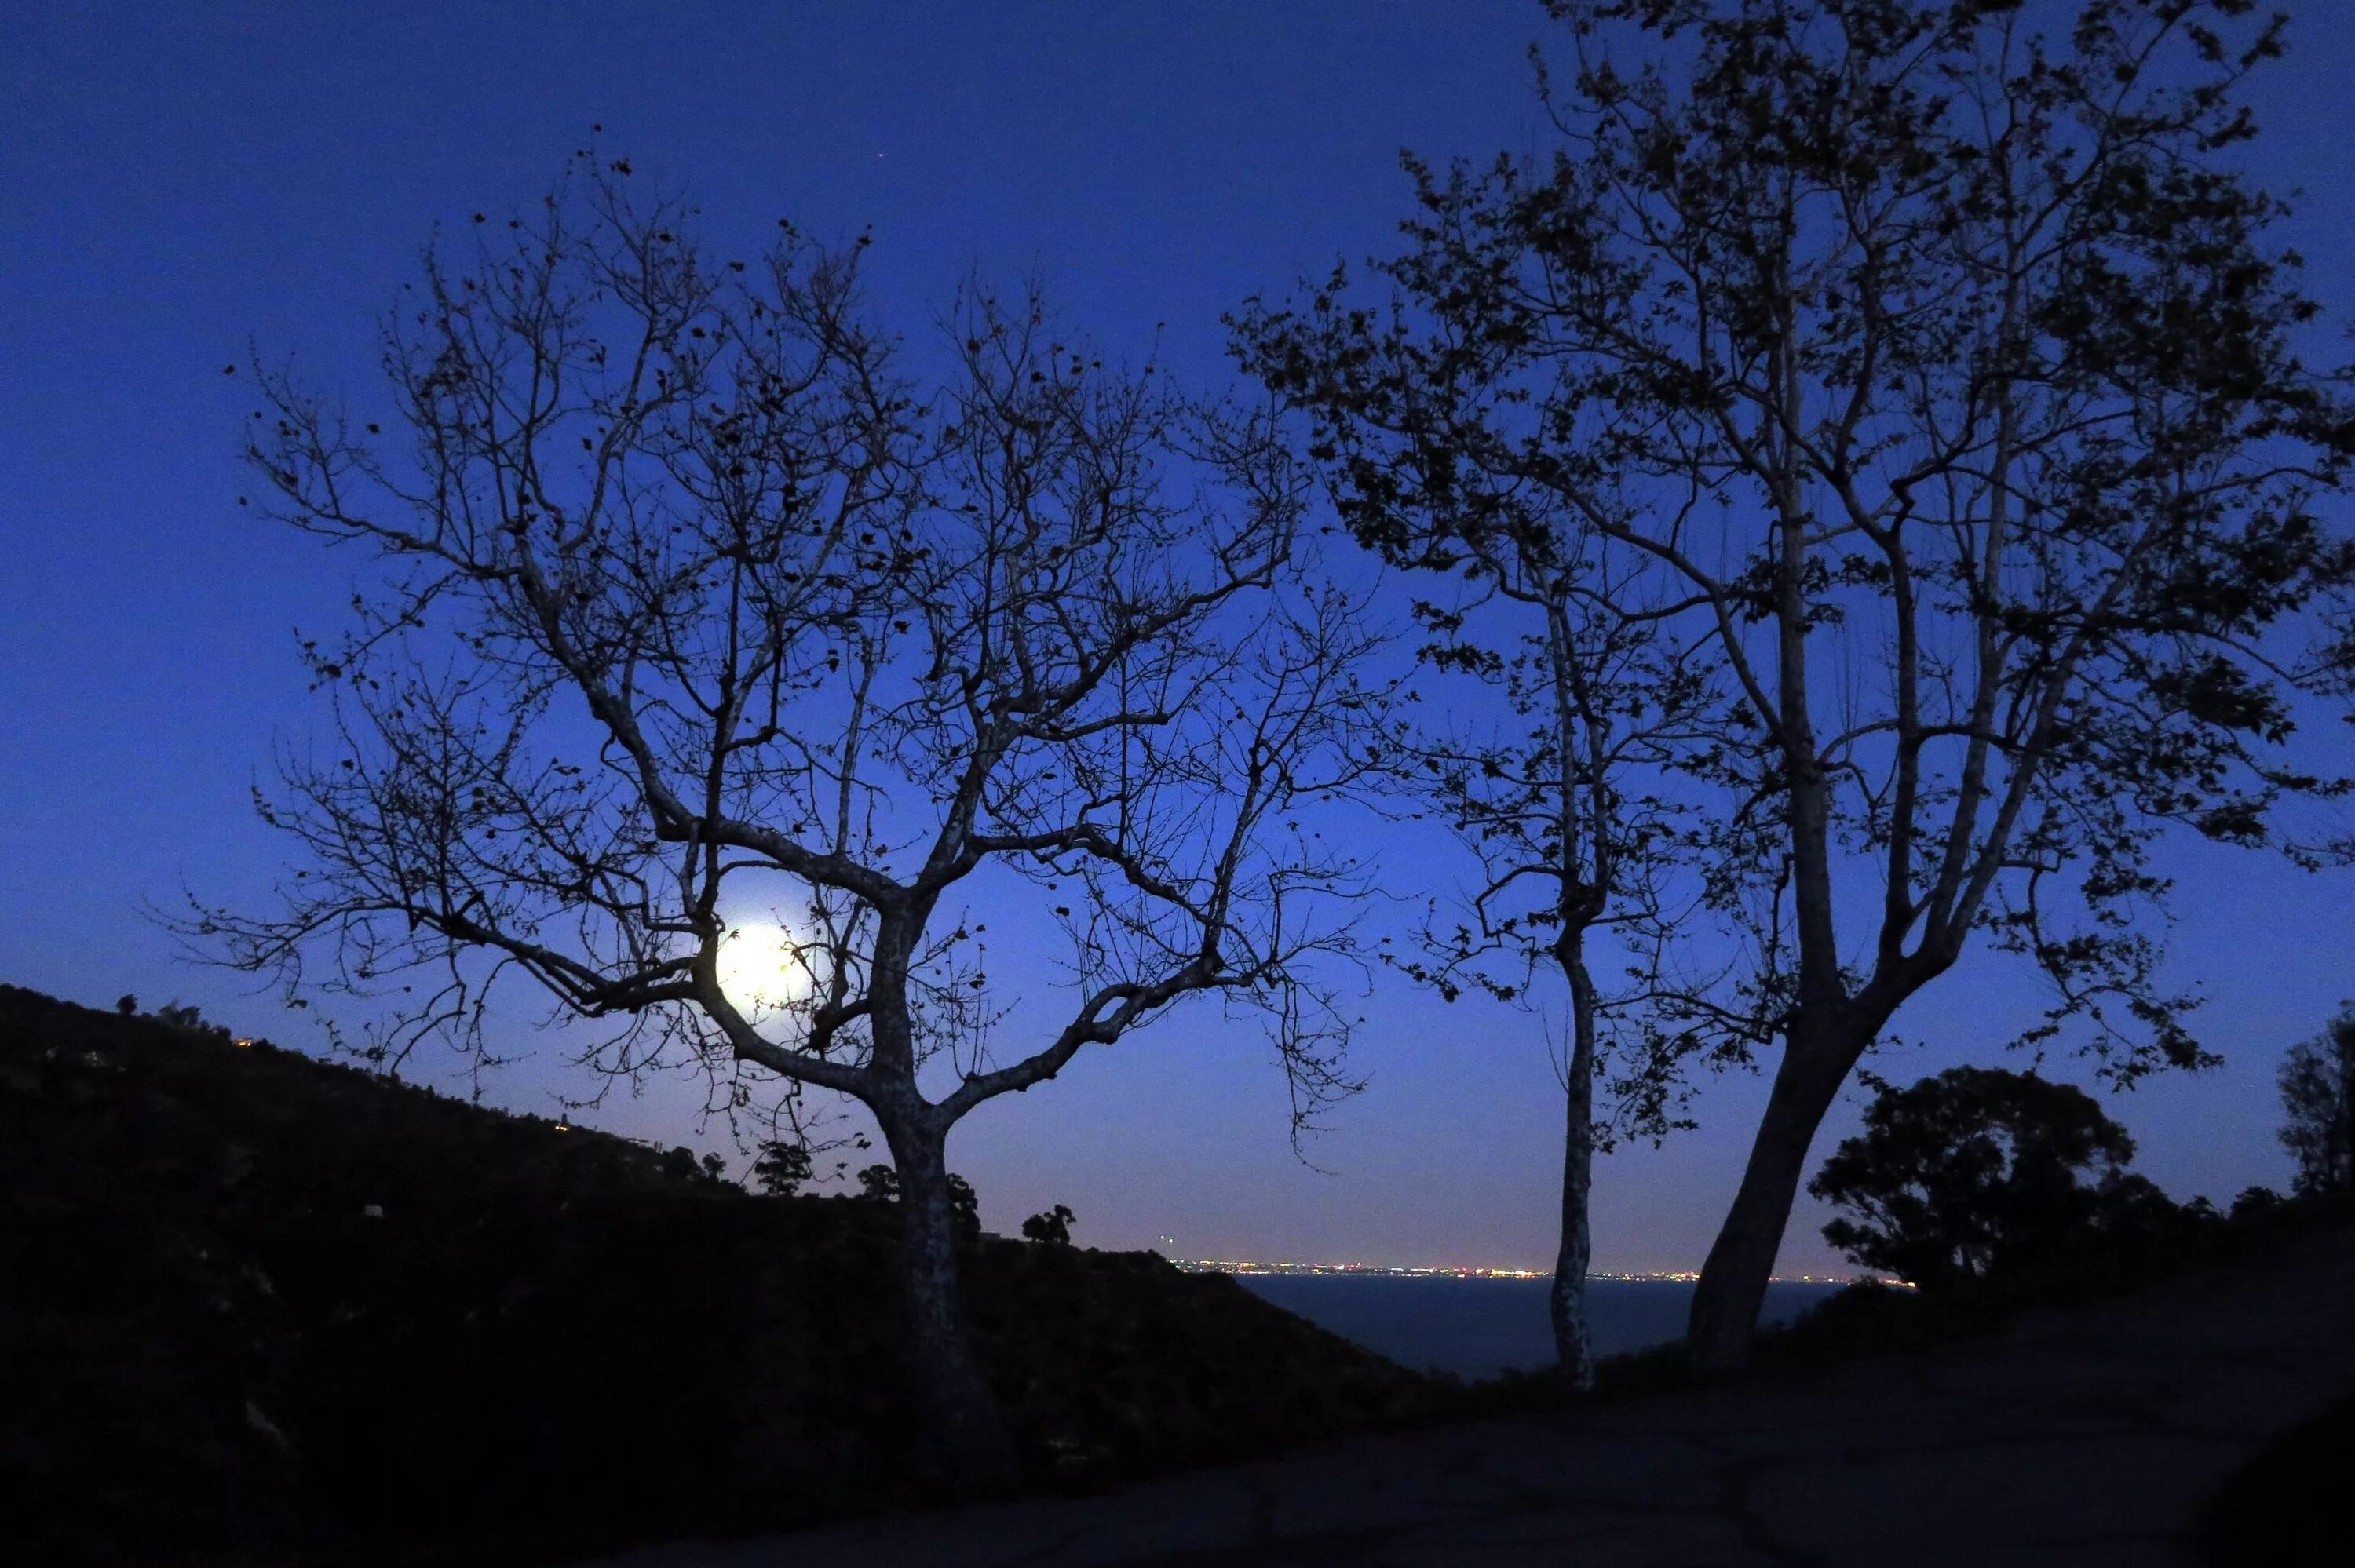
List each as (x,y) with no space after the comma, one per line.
(762,968)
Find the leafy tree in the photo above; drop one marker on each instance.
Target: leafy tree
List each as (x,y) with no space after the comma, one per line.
(965,1208)
(881,1184)
(1561,805)
(1949,378)
(189,1018)
(2318,1089)
(1053,1227)
(2255,1201)
(782,1166)
(1978,1170)
(689,596)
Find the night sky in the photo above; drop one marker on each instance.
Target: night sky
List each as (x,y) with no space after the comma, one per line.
(177,180)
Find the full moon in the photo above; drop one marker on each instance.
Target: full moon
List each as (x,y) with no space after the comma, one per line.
(760,968)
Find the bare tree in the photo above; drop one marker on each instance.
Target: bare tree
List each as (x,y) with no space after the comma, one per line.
(1560,808)
(695,603)
(1564,802)
(1967,391)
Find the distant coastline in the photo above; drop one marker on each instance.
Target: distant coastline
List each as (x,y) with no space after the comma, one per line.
(1388,1271)
(1482,1325)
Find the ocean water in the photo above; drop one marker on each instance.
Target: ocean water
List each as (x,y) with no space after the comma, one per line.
(1478,1328)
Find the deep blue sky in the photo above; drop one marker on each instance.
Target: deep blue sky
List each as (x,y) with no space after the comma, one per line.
(177,178)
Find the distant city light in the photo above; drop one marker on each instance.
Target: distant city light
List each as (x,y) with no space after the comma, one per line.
(1392,1271)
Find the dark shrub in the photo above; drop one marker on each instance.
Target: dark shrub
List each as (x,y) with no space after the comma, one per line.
(1976,1170)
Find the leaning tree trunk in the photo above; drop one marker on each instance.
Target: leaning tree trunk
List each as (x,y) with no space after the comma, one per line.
(964,1447)
(1733,1280)
(1574,1345)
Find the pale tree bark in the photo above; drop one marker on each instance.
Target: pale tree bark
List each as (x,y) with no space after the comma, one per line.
(691,601)
(1574,1342)
(1952,383)
(1558,803)
(1741,1261)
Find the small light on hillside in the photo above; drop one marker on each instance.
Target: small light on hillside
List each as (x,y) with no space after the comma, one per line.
(242,1041)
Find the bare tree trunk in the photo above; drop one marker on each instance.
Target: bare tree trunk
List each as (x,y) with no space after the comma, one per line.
(1573,1346)
(1733,1280)
(1816,1062)
(965,1446)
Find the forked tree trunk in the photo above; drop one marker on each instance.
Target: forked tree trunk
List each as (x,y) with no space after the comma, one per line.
(1733,1280)
(964,1447)
(1573,1344)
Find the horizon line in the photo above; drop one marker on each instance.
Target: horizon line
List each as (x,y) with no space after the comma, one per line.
(1474,1271)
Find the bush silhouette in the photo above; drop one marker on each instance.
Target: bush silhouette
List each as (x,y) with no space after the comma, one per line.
(964,1208)
(880,1183)
(1053,1227)
(782,1168)
(418,1293)
(2318,1089)
(1978,1170)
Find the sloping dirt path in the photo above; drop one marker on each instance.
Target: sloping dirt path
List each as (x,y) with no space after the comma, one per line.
(2090,1437)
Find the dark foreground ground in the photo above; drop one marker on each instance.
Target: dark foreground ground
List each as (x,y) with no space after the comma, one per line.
(258,1308)
(255,1308)
(2109,1433)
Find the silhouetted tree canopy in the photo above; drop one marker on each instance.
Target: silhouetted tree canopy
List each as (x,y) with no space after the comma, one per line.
(2318,1089)
(782,1166)
(1949,377)
(881,1184)
(687,591)
(1978,1170)
(1053,1227)
(1563,797)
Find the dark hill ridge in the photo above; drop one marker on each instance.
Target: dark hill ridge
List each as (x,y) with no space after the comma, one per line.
(254,1305)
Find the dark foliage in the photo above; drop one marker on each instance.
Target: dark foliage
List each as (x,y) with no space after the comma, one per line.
(2318,1088)
(964,1208)
(880,1183)
(1938,356)
(1976,1170)
(1872,1320)
(1053,1227)
(334,1318)
(682,1164)
(782,1168)
(1866,1319)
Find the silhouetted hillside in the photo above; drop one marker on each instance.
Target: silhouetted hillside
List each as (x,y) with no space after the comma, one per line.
(254,1305)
